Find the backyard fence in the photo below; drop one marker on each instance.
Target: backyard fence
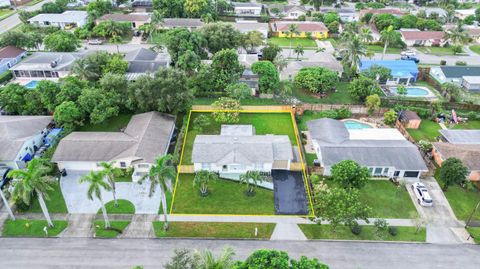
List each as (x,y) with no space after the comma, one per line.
(404,131)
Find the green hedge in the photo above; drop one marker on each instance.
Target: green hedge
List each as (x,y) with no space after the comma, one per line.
(5,76)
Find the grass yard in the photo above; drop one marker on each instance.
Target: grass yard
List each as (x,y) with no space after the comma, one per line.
(386,200)
(215,230)
(226,197)
(436,50)
(428,131)
(245,102)
(315,231)
(56,203)
(475,232)
(124,207)
(379,49)
(296,41)
(264,123)
(32,228)
(475,48)
(117,226)
(113,124)
(472,124)
(6,12)
(310,158)
(341,96)
(169,203)
(463,201)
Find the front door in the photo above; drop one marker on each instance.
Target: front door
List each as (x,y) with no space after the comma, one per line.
(396,174)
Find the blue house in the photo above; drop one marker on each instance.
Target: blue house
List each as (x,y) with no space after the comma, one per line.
(9,56)
(403,72)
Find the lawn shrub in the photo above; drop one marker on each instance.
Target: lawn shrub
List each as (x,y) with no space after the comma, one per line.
(393,231)
(460,63)
(443,62)
(356,229)
(5,77)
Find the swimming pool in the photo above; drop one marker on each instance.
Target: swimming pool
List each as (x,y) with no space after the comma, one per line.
(31,84)
(353,124)
(415,92)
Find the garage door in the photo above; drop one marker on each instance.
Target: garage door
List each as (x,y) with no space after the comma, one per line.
(411,174)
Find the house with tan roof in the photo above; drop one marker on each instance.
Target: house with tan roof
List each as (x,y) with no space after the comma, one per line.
(316,30)
(9,56)
(415,37)
(146,137)
(136,19)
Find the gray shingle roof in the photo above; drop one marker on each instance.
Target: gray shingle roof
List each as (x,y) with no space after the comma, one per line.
(144,60)
(146,137)
(460,71)
(15,130)
(337,133)
(43,61)
(179,22)
(461,136)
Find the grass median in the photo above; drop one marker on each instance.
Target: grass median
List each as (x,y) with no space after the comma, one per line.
(225,230)
(32,228)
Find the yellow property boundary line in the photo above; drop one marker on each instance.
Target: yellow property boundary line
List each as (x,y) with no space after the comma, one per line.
(305,181)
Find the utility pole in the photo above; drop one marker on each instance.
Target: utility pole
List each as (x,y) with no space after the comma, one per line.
(471,215)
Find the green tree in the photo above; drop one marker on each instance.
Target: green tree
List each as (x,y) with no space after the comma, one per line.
(48,93)
(115,65)
(251,40)
(200,122)
(33,103)
(225,68)
(383,21)
(425,146)
(221,36)
(378,72)
(316,79)
(372,103)
(306,263)
(269,78)
(70,89)
(97,8)
(91,67)
(227,110)
(454,91)
(388,36)
(61,41)
(266,258)
(201,180)
(116,84)
(98,104)
(457,35)
(180,40)
(20,40)
(96,183)
(109,28)
(161,175)
(390,117)
(409,21)
(195,8)
(182,259)
(353,50)
(170,8)
(207,260)
(362,87)
(350,174)
(401,90)
(238,90)
(189,62)
(34,179)
(270,52)
(251,179)
(452,172)
(299,50)
(338,205)
(292,31)
(68,115)
(11,98)
(366,35)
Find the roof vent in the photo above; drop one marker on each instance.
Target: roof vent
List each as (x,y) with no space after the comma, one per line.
(53,64)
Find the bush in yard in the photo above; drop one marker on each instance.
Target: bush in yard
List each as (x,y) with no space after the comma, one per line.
(453,91)
(356,229)
(68,115)
(201,122)
(238,90)
(316,79)
(381,72)
(362,87)
(452,172)
(401,90)
(343,113)
(269,78)
(201,180)
(372,103)
(230,109)
(61,41)
(393,231)
(390,117)
(425,146)
(350,174)
(381,226)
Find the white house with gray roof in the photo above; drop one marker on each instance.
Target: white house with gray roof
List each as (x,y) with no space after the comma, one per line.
(46,65)
(20,137)
(238,149)
(384,151)
(247,8)
(73,18)
(146,137)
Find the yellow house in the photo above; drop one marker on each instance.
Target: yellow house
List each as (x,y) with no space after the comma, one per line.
(317,30)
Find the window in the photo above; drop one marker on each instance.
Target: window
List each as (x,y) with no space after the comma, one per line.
(123,164)
(385,171)
(370,170)
(378,171)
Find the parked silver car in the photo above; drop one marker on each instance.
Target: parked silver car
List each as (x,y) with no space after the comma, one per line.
(95,42)
(421,192)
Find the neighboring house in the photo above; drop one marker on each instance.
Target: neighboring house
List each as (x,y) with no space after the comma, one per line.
(247,9)
(294,67)
(248,26)
(474,33)
(67,19)
(136,19)
(463,13)
(385,151)
(5,3)
(144,61)
(394,11)
(146,137)
(415,37)
(456,75)
(46,65)
(471,83)
(317,30)
(293,12)
(238,149)
(20,138)
(142,5)
(409,119)
(248,77)
(190,24)
(461,144)
(9,56)
(346,14)
(430,10)
(403,72)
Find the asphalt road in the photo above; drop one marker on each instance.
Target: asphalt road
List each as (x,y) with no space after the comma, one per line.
(14,20)
(150,253)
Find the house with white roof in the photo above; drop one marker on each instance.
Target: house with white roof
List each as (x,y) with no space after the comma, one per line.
(385,151)
(245,26)
(463,13)
(46,65)
(247,8)
(70,18)
(292,12)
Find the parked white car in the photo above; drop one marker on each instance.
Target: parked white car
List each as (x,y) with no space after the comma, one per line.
(421,192)
(409,53)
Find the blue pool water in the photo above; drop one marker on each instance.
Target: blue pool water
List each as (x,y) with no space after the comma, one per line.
(351,124)
(415,91)
(32,84)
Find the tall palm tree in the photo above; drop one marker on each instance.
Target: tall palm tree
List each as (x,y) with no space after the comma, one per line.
(292,30)
(33,179)
(161,174)
(299,51)
(109,172)
(352,51)
(457,35)
(252,179)
(7,205)
(206,259)
(81,68)
(366,35)
(96,183)
(201,180)
(387,36)
(350,30)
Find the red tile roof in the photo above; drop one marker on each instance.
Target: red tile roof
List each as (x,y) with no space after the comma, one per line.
(303,26)
(422,35)
(10,52)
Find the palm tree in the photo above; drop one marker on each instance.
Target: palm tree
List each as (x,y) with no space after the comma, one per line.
(161,174)
(206,259)
(109,172)
(352,51)
(7,205)
(350,30)
(387,36)
(457,35)
(96,183)
(299,51)
(116,39)
(81,68)
(366,35)
(33,179)
(201,180)
(252,179)
(292,30)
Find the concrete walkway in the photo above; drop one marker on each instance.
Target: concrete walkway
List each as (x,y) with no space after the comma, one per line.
(287,231)
(140,227)
(79,225)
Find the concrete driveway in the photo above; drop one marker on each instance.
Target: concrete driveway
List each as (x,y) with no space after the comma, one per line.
(75,195)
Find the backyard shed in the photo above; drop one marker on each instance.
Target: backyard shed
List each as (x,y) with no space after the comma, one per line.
(409,119)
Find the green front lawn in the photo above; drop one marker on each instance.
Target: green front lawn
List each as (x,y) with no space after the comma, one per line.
(315,231)
(475,48)
(296,41)
(462,201)
(475,232)
(32,228)
(4,13)
(226,197)
(386,200)
(436,50)
(310,158)
(264,123)
(113,124)
(169,203)
(341,96)
(379,49)
(215,230)
(124,207)
(428,131)
(117,226)
(55,203)
(471,124)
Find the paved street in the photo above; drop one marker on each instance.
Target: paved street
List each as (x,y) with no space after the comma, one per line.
(153,253)
(433,59)
(14,20)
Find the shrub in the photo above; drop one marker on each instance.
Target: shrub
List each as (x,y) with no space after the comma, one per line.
(343,113)
(390,117)
(393,231)
(461,63)
(443,62)
(356,229)
(381,225)
(6,76)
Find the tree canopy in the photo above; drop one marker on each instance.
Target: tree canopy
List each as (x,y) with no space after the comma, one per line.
(349,174)
(316,79)
(269,78)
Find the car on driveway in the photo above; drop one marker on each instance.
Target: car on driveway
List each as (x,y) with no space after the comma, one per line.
(421,192)
(95,42)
